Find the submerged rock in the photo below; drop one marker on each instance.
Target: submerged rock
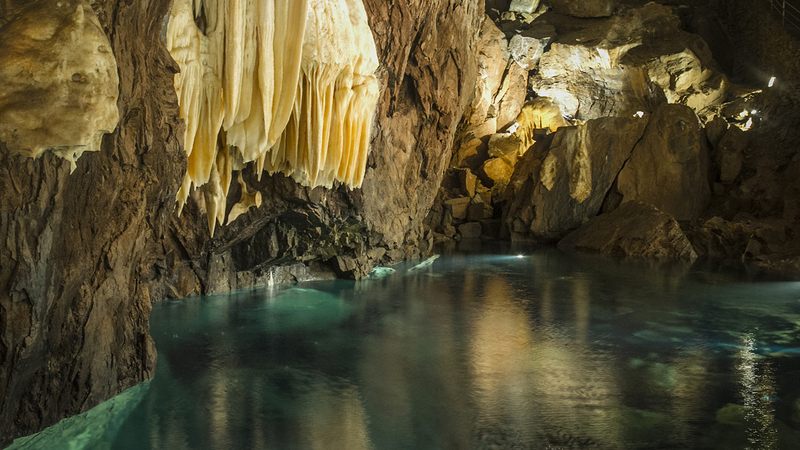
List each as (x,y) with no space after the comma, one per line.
(634,229)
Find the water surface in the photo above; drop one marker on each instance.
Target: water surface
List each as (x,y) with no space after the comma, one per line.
(474,352)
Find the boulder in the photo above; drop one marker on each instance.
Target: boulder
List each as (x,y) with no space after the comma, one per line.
(526,51)
(760,240)
(634,229)
(540,113)
(628,63)
(458,207)
(538,116)
(467,181)
(584,8)
(476,211)
(498,171)
(492,60)
(524,6)
(470,230)
(669,166)
(511,96)
(583,72)
(508,146)
(562,181)
(715,130)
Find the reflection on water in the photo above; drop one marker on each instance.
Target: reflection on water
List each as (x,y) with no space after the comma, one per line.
(480,352)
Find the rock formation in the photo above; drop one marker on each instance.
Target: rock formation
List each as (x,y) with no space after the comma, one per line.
(462,130)
(77,247)
(635,229)
(560,186)
(86,253)
(58,81)
(669,167)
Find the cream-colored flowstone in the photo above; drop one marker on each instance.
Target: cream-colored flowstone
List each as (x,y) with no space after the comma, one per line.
(287,85)
(58,80)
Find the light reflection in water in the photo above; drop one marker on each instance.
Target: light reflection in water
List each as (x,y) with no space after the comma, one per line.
(477,352)
(757,391)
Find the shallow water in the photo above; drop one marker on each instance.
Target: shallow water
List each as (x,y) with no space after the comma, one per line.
(473,352)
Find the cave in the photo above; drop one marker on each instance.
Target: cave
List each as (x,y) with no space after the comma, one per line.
(399,224)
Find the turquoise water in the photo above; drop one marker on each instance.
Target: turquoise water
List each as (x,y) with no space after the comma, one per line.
(473,352)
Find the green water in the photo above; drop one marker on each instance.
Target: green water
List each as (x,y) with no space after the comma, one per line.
(472,352)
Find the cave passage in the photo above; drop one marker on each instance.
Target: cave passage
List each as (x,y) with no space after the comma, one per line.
(477,351)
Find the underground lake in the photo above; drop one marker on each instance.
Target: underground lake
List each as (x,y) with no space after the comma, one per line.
(529,351)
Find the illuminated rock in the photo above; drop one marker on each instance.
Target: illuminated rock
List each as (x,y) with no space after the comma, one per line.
(669,166)
(562,181)
(526,50)
(584,75)
(58,81)
(523,6)
(286,85)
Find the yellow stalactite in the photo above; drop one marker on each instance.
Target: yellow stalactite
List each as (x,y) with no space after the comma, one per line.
(288,85)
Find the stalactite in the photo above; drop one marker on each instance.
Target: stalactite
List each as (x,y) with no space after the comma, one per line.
(287,85)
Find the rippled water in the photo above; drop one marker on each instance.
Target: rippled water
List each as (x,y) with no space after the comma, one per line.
(473,352)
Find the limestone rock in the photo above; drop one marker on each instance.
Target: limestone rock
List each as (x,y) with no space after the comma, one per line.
(506,145)
(634,229)
(537,116)
(470,230)
(584,8)
(476,210)
(511,96)
(556,187)
(83,255)
(526,51)
(458,207)
(523,6)
(467,181)
(58,81)
(762,240)
(540,113)
(669,166)
(585,79)
(492,60)
(498,171)
(715,130)
(627,63)
(730,154)
(429,69)
(687,75)
(78,250)
(719,238)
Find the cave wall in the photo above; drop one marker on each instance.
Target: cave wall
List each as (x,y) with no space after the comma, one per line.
(73,306)
(83,255)
(427,52)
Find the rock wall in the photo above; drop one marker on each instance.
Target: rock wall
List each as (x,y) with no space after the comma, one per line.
(84,254)
(73,303)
